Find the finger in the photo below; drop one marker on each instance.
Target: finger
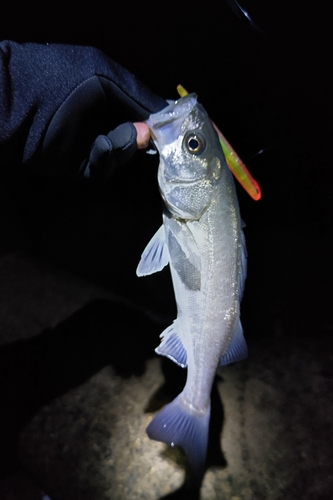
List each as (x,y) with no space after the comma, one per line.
(143,135)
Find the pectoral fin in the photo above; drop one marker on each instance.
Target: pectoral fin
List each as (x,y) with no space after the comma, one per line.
(186,241)
(155,255)
(237,349)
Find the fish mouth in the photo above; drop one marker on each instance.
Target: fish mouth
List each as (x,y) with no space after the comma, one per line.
(165,126)
(175,110)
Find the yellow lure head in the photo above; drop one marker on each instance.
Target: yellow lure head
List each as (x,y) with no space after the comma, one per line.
(234,162)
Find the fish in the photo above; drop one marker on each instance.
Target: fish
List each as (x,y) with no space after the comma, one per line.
(201,239)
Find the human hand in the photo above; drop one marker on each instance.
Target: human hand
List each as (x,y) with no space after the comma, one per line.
(143,135)
(60,99)
(110,151)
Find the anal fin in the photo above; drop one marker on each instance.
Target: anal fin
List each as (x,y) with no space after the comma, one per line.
(172,346)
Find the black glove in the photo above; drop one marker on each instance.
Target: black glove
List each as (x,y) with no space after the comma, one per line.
(109,151)
(56,99)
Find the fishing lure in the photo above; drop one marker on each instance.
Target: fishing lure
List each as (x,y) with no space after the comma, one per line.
(235,164)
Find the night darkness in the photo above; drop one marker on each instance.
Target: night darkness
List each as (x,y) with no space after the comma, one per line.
(68,253)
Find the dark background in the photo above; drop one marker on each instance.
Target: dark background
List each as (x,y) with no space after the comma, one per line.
(268,89)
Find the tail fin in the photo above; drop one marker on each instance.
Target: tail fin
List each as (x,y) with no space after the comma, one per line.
(179,425)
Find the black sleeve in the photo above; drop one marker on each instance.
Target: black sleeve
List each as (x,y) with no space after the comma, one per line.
(56,99)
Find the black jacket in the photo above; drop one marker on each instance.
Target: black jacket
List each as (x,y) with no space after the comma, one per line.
(56,99)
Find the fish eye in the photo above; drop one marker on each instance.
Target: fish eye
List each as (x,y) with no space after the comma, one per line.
(194,143)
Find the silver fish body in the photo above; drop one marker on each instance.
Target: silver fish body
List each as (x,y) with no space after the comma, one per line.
(202,240)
